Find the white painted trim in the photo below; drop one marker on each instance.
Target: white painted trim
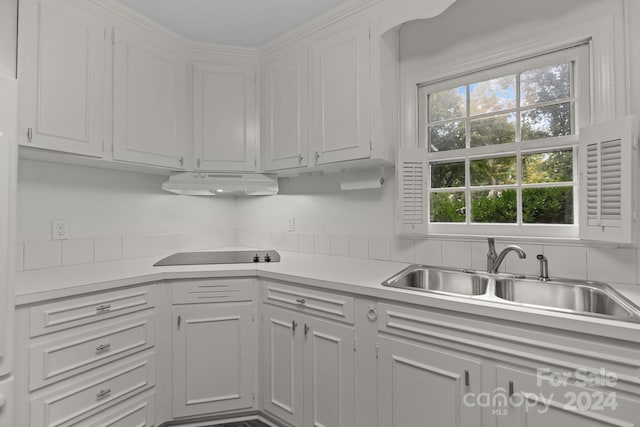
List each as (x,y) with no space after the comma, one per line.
(603,54)
(325,20)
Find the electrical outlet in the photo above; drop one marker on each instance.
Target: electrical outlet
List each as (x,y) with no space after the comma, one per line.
(291,223)
(60,230)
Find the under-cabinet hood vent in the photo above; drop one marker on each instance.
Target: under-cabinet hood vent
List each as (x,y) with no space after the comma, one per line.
(210,184)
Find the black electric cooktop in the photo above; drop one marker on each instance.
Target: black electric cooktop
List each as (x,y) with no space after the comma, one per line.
(219,257)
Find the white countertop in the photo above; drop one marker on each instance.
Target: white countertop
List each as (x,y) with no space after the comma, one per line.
(352,275)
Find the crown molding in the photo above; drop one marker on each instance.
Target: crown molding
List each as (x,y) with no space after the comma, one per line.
(221,49)
(325,20)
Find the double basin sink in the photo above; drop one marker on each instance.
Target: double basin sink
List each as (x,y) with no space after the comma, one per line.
(576,297)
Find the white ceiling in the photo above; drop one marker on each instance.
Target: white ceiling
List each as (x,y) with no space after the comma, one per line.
(250,23)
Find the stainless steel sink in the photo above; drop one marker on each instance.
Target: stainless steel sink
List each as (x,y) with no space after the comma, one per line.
(568,296)
(573,297)
(440,280)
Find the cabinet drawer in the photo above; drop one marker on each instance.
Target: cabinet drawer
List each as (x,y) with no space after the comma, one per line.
(69,354)
(208,291)
(89,394)
(65,314)
(138,412)
(325,304)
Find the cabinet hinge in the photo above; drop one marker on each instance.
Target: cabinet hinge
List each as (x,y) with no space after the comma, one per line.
(253,393)
(113,37)
(635,215)
(377,351)
(253,317)
(371,145)
(355,344)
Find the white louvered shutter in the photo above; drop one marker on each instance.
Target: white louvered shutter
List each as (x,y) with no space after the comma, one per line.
(608,160)
(411,170)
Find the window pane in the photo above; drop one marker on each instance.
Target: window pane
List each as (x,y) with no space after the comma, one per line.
(447,175)
(498,171)
(448,104)
(554,166)
(447,207)
(493,95)
(545,84)
(494,206)
(447,136)
(547,205)
(493,130)
(546,122)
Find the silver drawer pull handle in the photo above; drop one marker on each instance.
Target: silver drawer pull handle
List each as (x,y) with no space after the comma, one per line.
(510,388)
(103,308)
(467,378)
(103,393)
(300,300)
(103,347)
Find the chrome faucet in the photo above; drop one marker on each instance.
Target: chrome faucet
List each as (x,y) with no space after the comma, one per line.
(494,259)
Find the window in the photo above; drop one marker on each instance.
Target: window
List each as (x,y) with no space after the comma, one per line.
(502,146)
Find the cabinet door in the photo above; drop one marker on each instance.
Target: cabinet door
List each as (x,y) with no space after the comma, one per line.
(61,73)
(212,358)
(282,364)
(149,101)
(285,119)
(329,370)
(341,96)
(420,384)
(224,117)
(541,400)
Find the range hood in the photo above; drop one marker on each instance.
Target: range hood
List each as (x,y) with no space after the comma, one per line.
(209,184)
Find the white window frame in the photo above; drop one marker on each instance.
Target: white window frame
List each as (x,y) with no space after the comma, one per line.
(579,55)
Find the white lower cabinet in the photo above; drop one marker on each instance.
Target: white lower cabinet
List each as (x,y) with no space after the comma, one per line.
(65,405)
(420,382)
(309,367)
(530,398)
(213,348)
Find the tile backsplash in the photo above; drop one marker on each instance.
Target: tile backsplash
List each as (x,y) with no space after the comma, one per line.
(575,261)
(39,254)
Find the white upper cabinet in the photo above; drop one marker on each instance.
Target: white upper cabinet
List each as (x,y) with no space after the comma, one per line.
(341,118)
(285,117)
(149,100)
(225,121)
(61,72)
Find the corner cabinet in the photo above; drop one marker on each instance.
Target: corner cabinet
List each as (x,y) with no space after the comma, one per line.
(61,71)
(285,117)
(308,362)
(225,118)
(341,118)
(214,346)
(149,99)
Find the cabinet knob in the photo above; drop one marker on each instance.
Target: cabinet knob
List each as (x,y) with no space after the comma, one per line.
(317,156)
(294,325)
(306,329)
(301,300)
(372,313)
(198,163)
(30,134)
(300,158)
(181,161)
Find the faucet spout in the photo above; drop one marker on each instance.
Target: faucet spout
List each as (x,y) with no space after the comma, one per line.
(498,260)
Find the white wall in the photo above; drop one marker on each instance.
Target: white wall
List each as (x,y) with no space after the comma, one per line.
(100,202)
(8,37)
(319,206)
